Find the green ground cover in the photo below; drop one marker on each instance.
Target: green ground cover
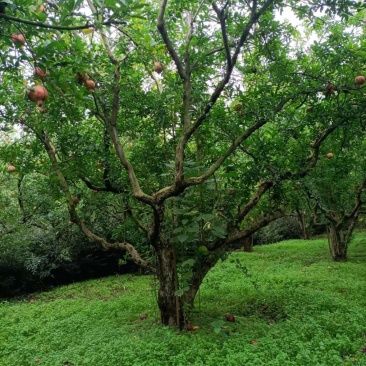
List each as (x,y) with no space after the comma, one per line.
(292,304)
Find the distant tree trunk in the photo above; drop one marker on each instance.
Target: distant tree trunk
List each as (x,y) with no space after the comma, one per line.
(170,305)
(338,243)
(302,223)
(339,235)
(248,244)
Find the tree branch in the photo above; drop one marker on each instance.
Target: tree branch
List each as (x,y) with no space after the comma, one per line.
(258,224)
(139,194)
(316,144)
(106,188)
(74,216)
(179,158)
(162,29)
(263,188)
(358,201)
(222,20)
(56,27)
(110,120)
(136,221)
(214,167)
(105,39)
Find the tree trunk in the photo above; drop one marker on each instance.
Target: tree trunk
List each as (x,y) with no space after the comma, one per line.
(248,244)
(338,239)
(302,223)
(194,287)
(170,305)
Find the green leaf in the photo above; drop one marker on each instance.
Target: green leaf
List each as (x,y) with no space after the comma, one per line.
(42,17)
(179,292)
(219,231)
(182,238)
(188,263)
(217,324)
(207,217)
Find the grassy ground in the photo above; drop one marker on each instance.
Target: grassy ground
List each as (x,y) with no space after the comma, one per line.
(293,306)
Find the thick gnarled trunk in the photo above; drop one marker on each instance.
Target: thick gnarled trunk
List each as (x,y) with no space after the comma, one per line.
(170,305)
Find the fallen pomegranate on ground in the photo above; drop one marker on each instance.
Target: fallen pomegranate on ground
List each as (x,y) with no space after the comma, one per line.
(230,317)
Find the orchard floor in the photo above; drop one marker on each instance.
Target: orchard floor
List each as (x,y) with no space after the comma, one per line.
(292,306)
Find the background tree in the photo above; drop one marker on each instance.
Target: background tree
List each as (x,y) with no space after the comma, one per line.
(335,188)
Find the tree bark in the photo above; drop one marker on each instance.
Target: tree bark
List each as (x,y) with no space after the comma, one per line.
(248,244)
(170,305)
(300,216)
(338,238)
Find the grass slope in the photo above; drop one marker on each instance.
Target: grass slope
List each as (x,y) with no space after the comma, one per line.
(293,306)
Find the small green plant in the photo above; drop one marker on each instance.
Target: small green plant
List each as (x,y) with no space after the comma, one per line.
(245,271)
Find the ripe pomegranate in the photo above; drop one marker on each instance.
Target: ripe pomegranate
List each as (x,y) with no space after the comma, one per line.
(11,168)
(38,95)
(230,317)
(359,80)
(330,155)
(18,38)
(38,72)
(158,67)
(90,85)
(81,78)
